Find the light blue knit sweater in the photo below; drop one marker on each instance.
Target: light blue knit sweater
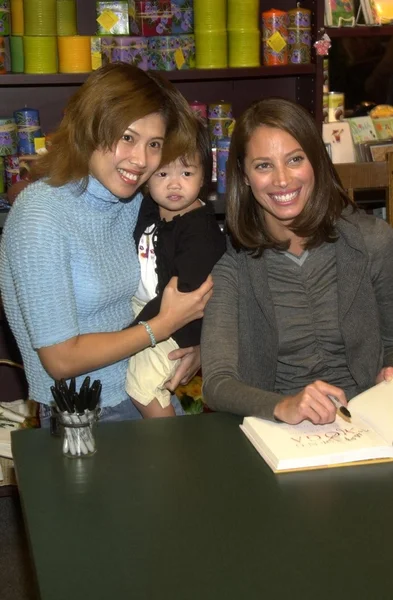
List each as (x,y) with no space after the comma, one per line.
(68,266)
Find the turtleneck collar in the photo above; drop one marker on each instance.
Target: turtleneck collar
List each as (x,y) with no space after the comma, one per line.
(98,193)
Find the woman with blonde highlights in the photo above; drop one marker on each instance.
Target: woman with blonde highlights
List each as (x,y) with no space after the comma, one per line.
(69,265)
(303,298)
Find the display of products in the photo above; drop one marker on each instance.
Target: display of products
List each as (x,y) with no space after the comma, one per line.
(275,37)
(299,35)
(336,106)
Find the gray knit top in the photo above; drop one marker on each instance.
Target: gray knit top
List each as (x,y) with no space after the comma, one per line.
(240,339)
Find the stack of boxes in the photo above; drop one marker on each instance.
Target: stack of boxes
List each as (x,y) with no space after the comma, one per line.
(154,34)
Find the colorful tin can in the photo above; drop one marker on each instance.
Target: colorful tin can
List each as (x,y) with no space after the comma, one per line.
(299,35)
(220,110)
(182,16)
(222,157)
(12,175)
(219,128)
(5,17)
(299,46)
(128,49)
(199,109)
(5,55)
(151,18)
(112,17)
(336,106)
(8,136)
(299,18)
(219,120)
(171,52)
(275,37)
(28,127)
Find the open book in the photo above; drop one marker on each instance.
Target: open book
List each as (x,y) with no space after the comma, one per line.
(368,437)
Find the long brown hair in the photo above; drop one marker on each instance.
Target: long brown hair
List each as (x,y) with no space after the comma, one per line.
(97,115)
(245,217)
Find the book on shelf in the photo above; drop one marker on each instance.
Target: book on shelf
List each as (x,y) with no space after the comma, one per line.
(339,13)
(383,127)
(366,10)
(362,130)
(14,415)
(379,149)
(367,438)
(338,135)
(375,151)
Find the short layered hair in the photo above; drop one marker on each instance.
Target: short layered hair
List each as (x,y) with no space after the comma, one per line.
(98,114)
(203,150)
(245,218)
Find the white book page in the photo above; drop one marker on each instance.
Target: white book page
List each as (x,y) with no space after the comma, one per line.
(375,407)
(295,446)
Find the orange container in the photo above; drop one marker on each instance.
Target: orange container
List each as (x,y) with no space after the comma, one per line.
(275,37)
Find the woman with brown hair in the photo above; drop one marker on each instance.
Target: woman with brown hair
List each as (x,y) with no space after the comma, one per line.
(303,299)
(69,266)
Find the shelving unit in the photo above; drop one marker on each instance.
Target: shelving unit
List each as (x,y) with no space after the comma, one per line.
(359,31)
(22,79)
(301,83)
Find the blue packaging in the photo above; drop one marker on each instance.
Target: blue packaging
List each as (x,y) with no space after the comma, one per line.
(222,157)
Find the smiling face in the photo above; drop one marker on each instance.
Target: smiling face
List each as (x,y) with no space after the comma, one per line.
(175,187)
(131,162)
(280,176)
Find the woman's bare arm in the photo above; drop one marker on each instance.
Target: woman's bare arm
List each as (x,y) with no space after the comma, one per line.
(87,352)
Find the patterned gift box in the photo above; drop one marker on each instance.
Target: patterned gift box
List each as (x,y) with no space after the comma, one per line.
(131,50)
(96,55)
(171,52)
(112,18)
(152,18)
(182,16)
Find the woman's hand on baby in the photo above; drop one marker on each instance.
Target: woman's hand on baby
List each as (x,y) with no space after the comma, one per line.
(385,374)
(179,308)
(189,366)
(312,403)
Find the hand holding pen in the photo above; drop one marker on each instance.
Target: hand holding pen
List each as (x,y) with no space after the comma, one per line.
(313,403)
(342,410)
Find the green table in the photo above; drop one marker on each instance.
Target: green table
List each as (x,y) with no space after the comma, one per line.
(185,508)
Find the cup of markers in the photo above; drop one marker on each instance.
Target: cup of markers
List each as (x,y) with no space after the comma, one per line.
(77,412)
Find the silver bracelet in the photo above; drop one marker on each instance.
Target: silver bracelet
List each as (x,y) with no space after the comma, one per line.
(153,341)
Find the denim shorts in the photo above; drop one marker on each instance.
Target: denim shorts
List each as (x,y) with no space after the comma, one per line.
(124,411)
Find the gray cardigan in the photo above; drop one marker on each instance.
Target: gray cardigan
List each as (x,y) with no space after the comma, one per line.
(239,337)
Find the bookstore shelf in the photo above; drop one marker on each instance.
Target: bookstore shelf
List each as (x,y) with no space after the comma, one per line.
(359,31)
(24,79)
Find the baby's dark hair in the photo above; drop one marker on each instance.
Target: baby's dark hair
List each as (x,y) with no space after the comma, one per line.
(204,153)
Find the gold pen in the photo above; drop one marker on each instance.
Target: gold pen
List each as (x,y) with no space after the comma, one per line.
(341,409)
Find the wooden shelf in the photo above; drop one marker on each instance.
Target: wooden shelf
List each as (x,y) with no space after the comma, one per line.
(23,79)
(359,31)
